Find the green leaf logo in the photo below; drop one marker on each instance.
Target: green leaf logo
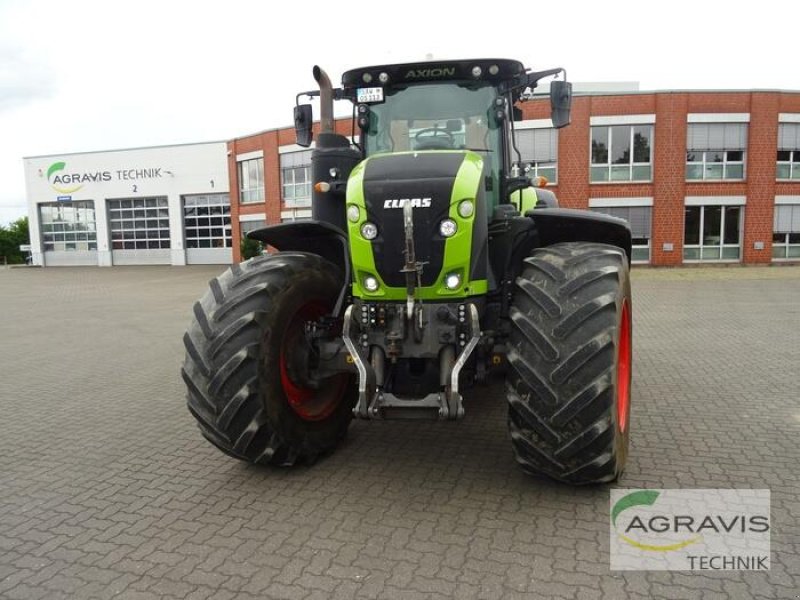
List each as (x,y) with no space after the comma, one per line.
(55,168)
(640,498)
(644,498)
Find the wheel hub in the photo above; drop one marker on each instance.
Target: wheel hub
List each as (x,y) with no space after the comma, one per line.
(308,403)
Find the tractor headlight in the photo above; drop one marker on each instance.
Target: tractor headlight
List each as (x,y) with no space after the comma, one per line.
(466,208)
(452,281)
(353,214)
(369,231)
(448,228)
(371,283)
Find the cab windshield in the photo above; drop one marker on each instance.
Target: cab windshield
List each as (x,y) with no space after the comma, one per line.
(435,116)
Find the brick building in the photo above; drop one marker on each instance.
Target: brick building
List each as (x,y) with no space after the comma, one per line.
(701,176)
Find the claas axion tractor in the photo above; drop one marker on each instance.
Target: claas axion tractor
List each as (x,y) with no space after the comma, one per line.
(431,264)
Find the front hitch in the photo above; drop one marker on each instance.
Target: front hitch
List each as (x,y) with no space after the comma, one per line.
(373,402)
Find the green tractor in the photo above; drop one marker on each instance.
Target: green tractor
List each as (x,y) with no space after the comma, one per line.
(431,264)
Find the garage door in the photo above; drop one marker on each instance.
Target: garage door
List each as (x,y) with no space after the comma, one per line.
(69,235)
(207,227)
(139,231)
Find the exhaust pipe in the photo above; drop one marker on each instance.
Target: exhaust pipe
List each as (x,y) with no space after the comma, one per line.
(332,160)
(325,100)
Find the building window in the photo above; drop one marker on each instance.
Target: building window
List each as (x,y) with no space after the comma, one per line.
(789,151)
(68,226)
(139,223)
(246,227)
(207,221)
(639,219)
(786,232)
(712,233)
(622,153)
(539,151)
(251,180)
(715,151)
(296,178)
(715,164)
(296,214)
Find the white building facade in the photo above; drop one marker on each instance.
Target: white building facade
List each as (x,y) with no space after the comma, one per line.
(160,205)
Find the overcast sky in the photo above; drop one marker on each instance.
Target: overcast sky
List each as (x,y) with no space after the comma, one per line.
(85,75)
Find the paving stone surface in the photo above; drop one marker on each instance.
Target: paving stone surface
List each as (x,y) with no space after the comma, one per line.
(107,490)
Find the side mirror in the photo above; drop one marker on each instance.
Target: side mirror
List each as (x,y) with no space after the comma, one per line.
(560,103)
(303,121)
(517,113)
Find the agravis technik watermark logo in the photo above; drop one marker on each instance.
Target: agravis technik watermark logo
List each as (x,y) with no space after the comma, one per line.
(719,529)
(60,182)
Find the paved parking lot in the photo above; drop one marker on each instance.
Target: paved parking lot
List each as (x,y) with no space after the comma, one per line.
(108,490)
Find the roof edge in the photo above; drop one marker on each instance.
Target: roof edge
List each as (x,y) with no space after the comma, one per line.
(125,149)
(577,94)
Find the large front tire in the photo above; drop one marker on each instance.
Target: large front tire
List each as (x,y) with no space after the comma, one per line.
(245,333)
(568,388)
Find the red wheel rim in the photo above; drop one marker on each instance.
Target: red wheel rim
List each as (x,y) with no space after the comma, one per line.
(309,404)
(624,367)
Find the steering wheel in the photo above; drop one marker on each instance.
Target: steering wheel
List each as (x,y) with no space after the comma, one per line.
(440,139)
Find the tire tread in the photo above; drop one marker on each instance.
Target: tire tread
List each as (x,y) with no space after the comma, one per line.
(221,363)
(560,385)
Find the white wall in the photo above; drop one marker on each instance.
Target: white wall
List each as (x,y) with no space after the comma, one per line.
(174,171)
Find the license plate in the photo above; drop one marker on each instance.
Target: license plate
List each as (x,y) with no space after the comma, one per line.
(370,94)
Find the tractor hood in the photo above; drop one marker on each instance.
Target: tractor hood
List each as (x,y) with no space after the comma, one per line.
(435,182)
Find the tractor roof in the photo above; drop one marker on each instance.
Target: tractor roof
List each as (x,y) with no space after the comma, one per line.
(482,69)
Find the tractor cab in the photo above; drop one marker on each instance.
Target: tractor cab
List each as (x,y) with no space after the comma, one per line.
(466,105)
(438,137)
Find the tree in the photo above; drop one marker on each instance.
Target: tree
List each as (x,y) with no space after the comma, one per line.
(250,248)
(11,238)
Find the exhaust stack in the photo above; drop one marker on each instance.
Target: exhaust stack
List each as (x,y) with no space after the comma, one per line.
(332,160)
(325,100)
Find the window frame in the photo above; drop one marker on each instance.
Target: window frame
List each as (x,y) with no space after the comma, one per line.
(290,215)
(725,162)
(536,166)
(793,163)
(291,163)
(253,194)
(528,164)
(608,166)
(722,245)
(786,245)
(296,200)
